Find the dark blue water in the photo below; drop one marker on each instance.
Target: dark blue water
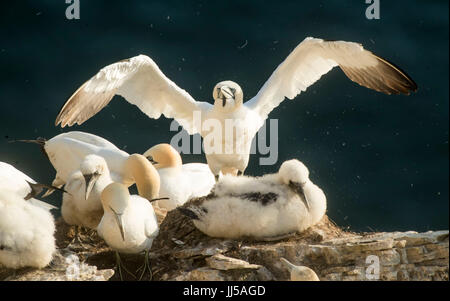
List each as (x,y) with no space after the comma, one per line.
(382,160)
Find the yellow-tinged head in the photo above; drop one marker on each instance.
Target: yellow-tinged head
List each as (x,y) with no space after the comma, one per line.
(163,155)
(140,171)
(115,199)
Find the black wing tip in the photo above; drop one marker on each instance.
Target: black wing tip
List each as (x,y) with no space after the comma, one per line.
(410,84)
(39,140)
(37,188)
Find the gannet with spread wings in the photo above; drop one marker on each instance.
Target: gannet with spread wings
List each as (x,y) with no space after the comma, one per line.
(140,81)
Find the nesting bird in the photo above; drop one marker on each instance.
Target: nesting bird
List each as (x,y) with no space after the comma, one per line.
(300,273)
(26,224)
(81,204)
(129,223)
(179,182)
(26,233)
(268,206)
(140,81)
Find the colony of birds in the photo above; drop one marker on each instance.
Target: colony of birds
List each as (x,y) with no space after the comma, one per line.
(94,175)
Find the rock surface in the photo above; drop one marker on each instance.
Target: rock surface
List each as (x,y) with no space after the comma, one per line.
(65,266)
(332,253)
(181,252)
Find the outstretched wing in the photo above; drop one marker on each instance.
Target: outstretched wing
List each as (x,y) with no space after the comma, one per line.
(312,58)
(140,82)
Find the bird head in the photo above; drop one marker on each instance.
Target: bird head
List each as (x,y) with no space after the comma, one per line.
(294,171)
(163,155)
(300,273)
(228,95)
(296,175)
(115,198)
(92,168)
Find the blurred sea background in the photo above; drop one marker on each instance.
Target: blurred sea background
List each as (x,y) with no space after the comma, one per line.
(383,161)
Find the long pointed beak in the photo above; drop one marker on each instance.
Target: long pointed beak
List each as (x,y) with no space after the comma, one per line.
(287,264)
(299,190)
(90,182)
(306,201)
(226,93)
(158,199)
(118,218)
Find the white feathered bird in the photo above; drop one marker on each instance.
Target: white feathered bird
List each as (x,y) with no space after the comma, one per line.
(141,82)
(264,207)
(81,204)
(129,223)
(179,182)
(26,233)
(67,151)
(26,225)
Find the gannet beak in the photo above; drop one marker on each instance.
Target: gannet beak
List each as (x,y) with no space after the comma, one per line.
(226,93)
(287,264)
(157,199)
(306,201)
(118,218)
(90,182)
(298,187)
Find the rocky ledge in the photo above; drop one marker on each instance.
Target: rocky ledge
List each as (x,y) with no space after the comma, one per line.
(181,252)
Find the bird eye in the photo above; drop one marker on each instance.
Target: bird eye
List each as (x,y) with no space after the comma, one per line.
(150,158)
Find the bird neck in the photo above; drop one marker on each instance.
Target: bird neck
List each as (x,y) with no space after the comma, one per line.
(140,171)
(229,107)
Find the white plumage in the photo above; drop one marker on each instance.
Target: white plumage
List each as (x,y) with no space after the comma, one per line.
(82,204)
(26,226)
(267,206)
(129,223)
(26,233)
(66,151)
(179,182)
(141,82)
